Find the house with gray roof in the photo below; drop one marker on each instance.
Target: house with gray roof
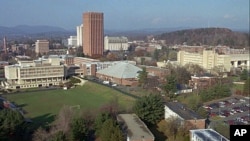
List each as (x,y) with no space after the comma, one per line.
(185,115)
(122,73)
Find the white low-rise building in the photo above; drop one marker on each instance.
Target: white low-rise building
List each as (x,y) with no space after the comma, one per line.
(115,43)
(72,41)
(36,73)
(206,135)
(209,58)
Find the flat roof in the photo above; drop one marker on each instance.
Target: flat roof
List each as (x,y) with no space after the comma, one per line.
(136,129)
(183,111)
(208,135)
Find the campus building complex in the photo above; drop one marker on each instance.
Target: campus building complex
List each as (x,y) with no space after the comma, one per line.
(93,34)
(36,73)
(222,57)
(42,47)
(115,43)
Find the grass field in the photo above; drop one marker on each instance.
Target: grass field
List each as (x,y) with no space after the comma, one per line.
(45,104)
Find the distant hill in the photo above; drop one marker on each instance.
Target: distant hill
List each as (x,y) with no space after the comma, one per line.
(206,36)
(25,30)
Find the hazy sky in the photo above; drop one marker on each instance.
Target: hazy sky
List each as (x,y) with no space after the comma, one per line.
(128,14)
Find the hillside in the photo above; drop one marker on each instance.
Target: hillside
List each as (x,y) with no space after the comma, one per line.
(207,36)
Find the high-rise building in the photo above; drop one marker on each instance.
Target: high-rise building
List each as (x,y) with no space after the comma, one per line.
(42,47)
(93,38)
(4,45)
(79,32)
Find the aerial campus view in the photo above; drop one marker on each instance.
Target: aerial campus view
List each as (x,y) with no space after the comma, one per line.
(124,70)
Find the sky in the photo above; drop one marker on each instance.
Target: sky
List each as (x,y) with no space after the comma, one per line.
(128,14)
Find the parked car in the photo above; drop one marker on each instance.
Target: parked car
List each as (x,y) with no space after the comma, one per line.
(105,82)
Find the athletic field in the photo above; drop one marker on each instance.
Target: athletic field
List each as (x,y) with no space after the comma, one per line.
(90,96)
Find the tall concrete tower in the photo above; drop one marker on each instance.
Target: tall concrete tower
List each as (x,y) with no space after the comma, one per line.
(79,34)
(93,34)
(4,44)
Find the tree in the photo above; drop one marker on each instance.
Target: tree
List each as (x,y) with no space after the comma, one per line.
(40,135)
(111,131)
(99,120)
(170,85)
(244,75)
(150,108)
(10,123)
(156,54)
(182,75)
(215,92)
(194,68)
(173,129)
(112,56)
(246,89)
(143,77)
(79,129)
(58,136)
(63,119)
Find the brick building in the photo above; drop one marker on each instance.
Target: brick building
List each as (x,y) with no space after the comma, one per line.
(206,81)
(122,73)
(93,34)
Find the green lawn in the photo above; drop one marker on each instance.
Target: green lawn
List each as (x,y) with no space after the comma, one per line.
(45,104)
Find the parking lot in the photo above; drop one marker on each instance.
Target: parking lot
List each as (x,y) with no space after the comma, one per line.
(233,110)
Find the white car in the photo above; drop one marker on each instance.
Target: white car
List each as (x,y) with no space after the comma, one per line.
(105,82)
(114,85)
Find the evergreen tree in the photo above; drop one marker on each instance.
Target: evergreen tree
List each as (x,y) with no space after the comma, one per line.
(99,120)
(111,131)
(244,75)
(79,129)
(150,108)
(246,88)
(170,86)
(143,77)
(156,54)
(10,123)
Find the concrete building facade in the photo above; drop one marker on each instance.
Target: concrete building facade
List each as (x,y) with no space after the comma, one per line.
(79,32)
(72,41)
(36,73)
(210,58)
(93,34)
(115,43)
(42,47)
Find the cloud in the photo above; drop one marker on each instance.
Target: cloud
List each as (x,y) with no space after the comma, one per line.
(230,17)
(156,20)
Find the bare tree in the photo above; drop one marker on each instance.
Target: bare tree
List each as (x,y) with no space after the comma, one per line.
(41,135)
(63,120)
